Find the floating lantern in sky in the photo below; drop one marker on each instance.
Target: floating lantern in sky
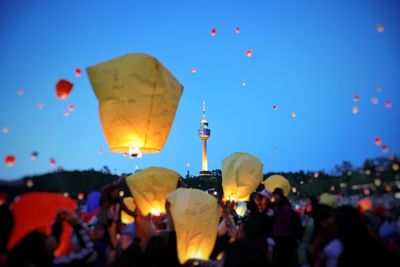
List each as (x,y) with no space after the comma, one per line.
(355,110)
(101,151)
(63,89)
(380,27)
(150,187)
(249,53)
(384,148)
(21,91)
(356,98)
(195,215)
(377,141)
(244,84)
(275,107)
(277,181)
(237,30)
(71,108)
(276,149)
(138,99)
(34,155)
(5,130)
(241,174)
(194,70)
(9,160)
(378,88)
(66,113)
(40,105)
(52,162)
(78,72)
(213,32)
(294,114)
(374,100)
(388,104)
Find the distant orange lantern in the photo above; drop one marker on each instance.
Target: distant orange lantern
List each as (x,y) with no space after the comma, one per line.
(63,89)
(10,160)
(364,205)
(355,110)
(249,53)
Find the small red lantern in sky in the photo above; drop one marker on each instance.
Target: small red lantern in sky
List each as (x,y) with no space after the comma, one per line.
(388,104)
(377,141)
(63,89)
(66,113)
(52,162)
(78,72)
(275,107)
(237,30)
(213,32)
(9,160)
(249,53)
(384,148)
(194,70)
(40,105)
(356,98)
(21,91)
(71,108)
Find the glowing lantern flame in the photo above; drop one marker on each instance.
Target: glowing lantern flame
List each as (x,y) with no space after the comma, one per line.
(237,30)
(277,181)
(78,72)
(135,152)
(249,53)
(356,98)
(63,89)
(9,160)
(213,32)
(377,141)
(355,110)
(388,104)
(380,27)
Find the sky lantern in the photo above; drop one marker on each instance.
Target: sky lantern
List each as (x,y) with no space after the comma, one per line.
(52,162)
(195,215)
(276,149)
(241,174)
(380,28)
(21,91)
(78,72)
(275,107)
(356,98)
(138,99)
(37,211)
(277,181)
(378,88)
(71,108)
(355,110)
(249,53)
(213,32)
(374,100)
(66,113)
(5,129)
(244,84)
(294,114)
(384,148)
(388,104)
(130,204)
(34,155)
(63,89)
(150,187)
(101,151)
(364,205)
(377,141)
(9,160)
(194,70)
(237,30)
(40,105)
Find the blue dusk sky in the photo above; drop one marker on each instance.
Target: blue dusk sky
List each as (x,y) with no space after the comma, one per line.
(309,57)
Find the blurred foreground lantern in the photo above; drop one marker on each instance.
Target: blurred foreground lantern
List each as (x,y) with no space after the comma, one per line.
(63,89)
(195,215)
(138,98)
(9,160)
(277,181)
(364,205)
(130,204)
(241,174)
(328,199)
(37,211)
(241,209)
(150,187)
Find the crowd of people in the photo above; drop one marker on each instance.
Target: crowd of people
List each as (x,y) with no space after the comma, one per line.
(269,233)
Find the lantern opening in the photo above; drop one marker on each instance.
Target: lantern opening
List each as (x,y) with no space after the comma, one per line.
(135,152)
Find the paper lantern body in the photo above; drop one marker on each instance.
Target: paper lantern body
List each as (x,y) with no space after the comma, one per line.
(328,199)
(277,181)
(241,174)
(138,98)
(195,215)
(37,211)
(130,204)
(150,187)
(63,88)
